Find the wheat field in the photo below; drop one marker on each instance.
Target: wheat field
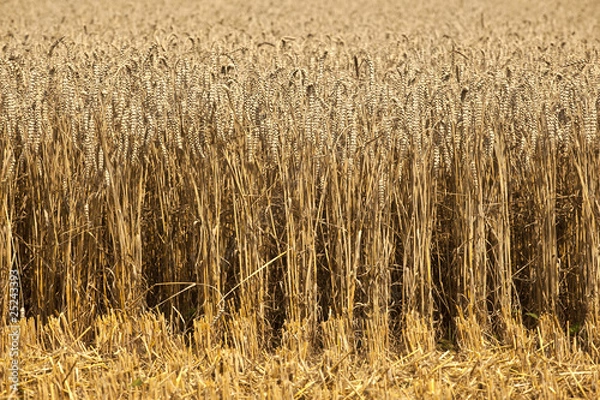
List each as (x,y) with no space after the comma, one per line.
(282,200)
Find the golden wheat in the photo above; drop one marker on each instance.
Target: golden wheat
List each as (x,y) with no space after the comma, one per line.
(380,200)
